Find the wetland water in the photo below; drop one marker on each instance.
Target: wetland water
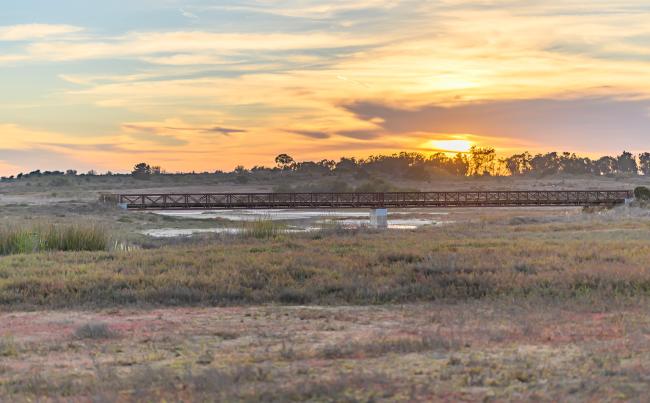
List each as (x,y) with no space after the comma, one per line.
(229,221)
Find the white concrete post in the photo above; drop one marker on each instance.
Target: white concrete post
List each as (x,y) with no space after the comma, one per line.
(379,218)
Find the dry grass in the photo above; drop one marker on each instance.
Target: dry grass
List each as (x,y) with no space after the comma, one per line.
(471,351)
(587,258)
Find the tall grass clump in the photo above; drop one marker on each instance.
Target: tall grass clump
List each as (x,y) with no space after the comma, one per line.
(263,228)
(21,240)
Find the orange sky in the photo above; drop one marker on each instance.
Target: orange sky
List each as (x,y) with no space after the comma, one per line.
(194,85)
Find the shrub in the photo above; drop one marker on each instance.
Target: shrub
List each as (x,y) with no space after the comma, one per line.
(94,331)
(8,347)
(642,193)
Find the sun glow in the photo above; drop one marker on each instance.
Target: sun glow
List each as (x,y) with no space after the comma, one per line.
(450,146)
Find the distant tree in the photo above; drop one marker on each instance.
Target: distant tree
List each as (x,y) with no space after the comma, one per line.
(572,164)
(546,164)
(347,165)
(627,163)
(141,171)
(606,166)
(329,164)
(71,172)
(482,161)
(459,166)
(311,168)
(644,163)
(284,161)
(519,164)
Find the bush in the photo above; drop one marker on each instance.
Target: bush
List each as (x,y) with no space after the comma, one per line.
(642,193)
(94,331)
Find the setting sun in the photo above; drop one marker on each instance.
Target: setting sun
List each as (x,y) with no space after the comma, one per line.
(451,146)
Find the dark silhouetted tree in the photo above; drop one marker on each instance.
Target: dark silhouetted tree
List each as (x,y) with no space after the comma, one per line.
(141,171)
(644,163)
(518,164)
(606,166)
(482,161)
(627,163)
(284,161)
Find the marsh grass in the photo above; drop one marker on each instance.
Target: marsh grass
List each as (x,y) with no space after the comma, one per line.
(50,237)
(399,345)
(582,261)
(238,383)
(8,347)
(263,228)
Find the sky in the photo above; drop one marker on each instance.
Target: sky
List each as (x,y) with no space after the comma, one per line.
(201,85)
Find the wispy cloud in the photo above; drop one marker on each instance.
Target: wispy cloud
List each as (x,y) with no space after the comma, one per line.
(188,14)
(35,31)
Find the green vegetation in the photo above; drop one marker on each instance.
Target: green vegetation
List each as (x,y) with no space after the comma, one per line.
(563,261)
(264,228)
(50,237)
(642,193)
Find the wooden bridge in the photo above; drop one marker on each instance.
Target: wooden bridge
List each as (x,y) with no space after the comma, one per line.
(217,201)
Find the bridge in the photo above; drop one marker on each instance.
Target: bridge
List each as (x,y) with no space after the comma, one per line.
(229,201)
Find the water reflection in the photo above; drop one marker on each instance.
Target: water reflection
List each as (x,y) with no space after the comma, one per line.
(300,220)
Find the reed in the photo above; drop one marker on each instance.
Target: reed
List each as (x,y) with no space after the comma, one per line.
(263,228)
(50,237)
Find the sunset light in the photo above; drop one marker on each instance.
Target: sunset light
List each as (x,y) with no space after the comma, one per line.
(451,146)
(201,85)
(324,200)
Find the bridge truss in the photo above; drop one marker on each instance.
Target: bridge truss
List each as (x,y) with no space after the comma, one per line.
(216,201)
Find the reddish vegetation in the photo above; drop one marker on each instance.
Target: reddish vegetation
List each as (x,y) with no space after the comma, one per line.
(466,350)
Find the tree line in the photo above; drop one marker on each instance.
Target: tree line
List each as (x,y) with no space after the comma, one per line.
(479,161)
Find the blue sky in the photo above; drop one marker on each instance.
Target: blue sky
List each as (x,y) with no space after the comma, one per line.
(205,85)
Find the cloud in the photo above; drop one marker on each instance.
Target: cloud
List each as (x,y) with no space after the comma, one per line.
(35,31)
(222,130)
(146,44)
(314,134)
(156,128)
(153,134)
(215,129)
(511,73)
(188,14)
(578,124)
(361,134)
(312,10)
(37,158)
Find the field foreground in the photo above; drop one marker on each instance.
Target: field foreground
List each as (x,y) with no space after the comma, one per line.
(473,350)
(506,304)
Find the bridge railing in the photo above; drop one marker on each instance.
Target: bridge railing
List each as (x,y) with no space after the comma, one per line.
(374,200)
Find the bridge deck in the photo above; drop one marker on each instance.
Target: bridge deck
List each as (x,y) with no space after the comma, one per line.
(215,201)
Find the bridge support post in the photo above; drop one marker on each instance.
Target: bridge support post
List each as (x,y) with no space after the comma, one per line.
(379,218)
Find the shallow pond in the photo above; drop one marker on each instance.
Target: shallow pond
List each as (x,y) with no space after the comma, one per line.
(297,220)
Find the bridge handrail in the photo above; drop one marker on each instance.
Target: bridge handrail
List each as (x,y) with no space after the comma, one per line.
(364,199)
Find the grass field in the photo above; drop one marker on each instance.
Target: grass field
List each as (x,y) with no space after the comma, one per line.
(503,304)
